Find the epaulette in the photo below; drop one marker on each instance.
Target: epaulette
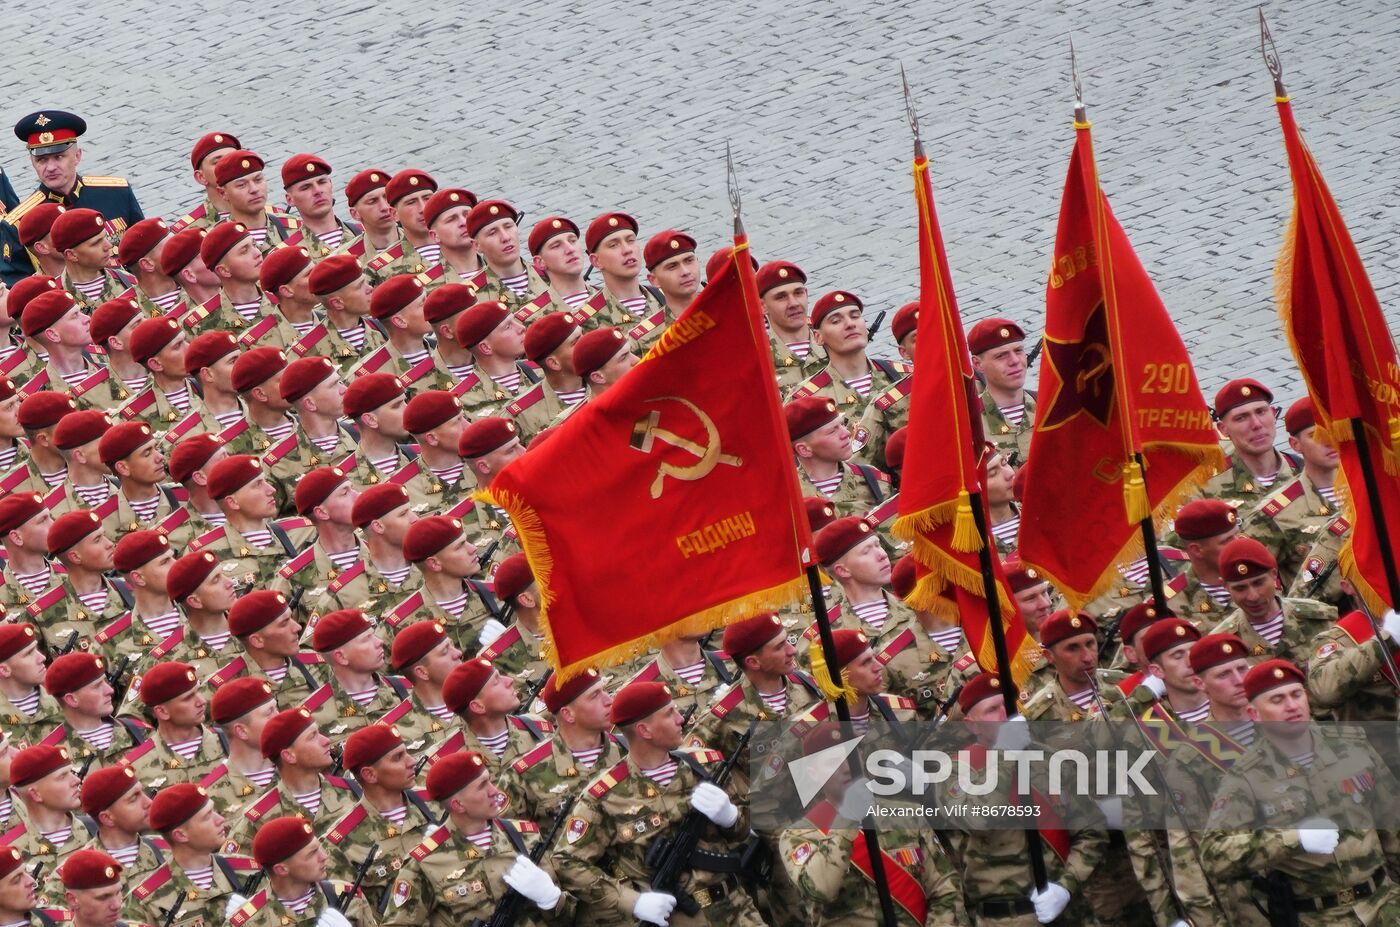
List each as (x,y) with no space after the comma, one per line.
(501,644)
(727,702)
(647,326)
(346,825)
(649,673)
(167,645)
(434,840)
(539,302)
(356,247)
(35,383)
(248,909)
(54,737)
(810,718)
(214,775)
(896,701)
(181,428)
(386,257)
(137,752)
(234,430)
(56,915)
(45,601)
(280,449)
(820,380)
(899,366)
(1340,526)
(466,385)
(417,372)
(104,181)
(294,523)
(14,833)
(525,400)
(263,805)
(340,581)
(207,538)
(318,698)
(454,744)
(57,496)
(704,754)
(241,863)
(309,340)
(883,512)
(894,394)
(1176,584)
(298,563)
(407,472)
(112,630)
(309,658)
(534,757)
(189,218)
(461,508)
(23,206)
(1129,683)
(175,519)
(520,724)
(525,827)
(336,782)
(1279,499)
(228,671)
(201,312)
(964,662)
(18,356)
(605,783)
(153,882)
(253,335)
(395,715)
(372,363)
(395,616)
(1174,554)
(896,645)
(90,382)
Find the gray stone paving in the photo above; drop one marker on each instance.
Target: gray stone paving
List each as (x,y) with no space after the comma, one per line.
(577,107)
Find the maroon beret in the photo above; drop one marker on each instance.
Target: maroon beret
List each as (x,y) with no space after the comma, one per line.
(1215,649)
(465,682)
(111,317)
(38,222)
(191,454)
(280,839)
(1163,635)
(302,376)
(596,348)
(820,512)
(281,265)
(17,508)
(411,180)
(607,224)
(376,502)
(556,696)
(68,529)
(16,637)
(369,392)
(1243,558)
(513,576)
(1065,624)
(637,701)
(151,336)
(429,409)
(8,389)
(219,241)
(414,642)
(24,291)
(830,302)
(446,301)
(1269,675)
(906,318)
(850,643)
(74,226)
(237,697)
(122,440)
(394,295)
(1238,392)
(778,273)
(176,804)
(824,735)
(445,199)
(256,366)
(993,333)
(840,536)
(487,212)
(1300,416)
(808,413)
(255,611)
(44,409)
(165,681)
(103,785)
(1139,618)
(316,487)
(1020,576)
(1205,518)
(904,577)
(282,730)
(338,629)
(140,239)
(10,860)
(233,473)
(546,333)
(184,246)
(210,143)
(369,745)
(236,164)
(664,245)
(479,321)
(363,182)
(895,447)
(428,535)
(44,310)
(547,228)
(979,687)
(302,166)
(453,773)
(744,637)
(34,763)
(79,428)
(334,273)
(188,572)
(486,434)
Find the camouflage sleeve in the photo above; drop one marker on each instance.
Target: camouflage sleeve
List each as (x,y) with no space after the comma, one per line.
(817,867)
(1335,671)
(872,450)
(411,901)
(1193,887)
(565,912)
(579,857)
(942,887)
(1156,884)
(1265,530)
(1086,851)
(1232,844)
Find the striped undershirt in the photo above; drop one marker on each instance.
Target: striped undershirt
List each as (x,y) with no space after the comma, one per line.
(860,385)
(343,559)
(277,673)
(125,855)
(1006,531)
(385,465)
(1013,414)
(586,758)
(34,583)
(301,902)
(75,377)
(54,478)
(7,807)
(164,624)
(354,336)
(303,328)
(1196,715)
(510,382)
(775,702)
(1218,594)
(1304,760)
(448,474)
(950,640)
(430,253)
(217,518)
(461,371)
(262,778)
(692,673)
(441,712)
(1329,493)
(413,358)
(166,301)
(259,537)
(363,696)
(1084,698)
(134,383)
(860,724)
(145,509)
(396,815)
(203,878)
(27,703)
(574,300)
(496,743)
(93,496)
(8,455)
(481,839)
(332,238)
(225,419)
(100,736)
(1271,630)
(636,305)
(803,349)
(58,837)
(325,443)
(280,430)
(873,613)
(92,289)
(396,575)
(519,284)
(258,235)
(455,605)
(830,484)
(216,641)
(247,311)
(179,399)
(186,749)
(571,397)
(1242,732)
(1266,481)
(663,774)
(311,801)
(93,601)
(1136,572)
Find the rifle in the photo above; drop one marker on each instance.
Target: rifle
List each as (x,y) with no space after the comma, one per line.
(87,764)
(336,761)
(114,679)
(508,909)
(68,647)
(1034,353)
(38,868)
(418,767)
(689,713)
(343,902)
(1110,637)
(875,325)
(173,911)
(250,884)
(1278,898)
(534,692)
(1316,586)
(485,556)
(670,859)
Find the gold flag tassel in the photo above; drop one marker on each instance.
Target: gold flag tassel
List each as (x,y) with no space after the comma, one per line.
(1392,459)
(831,689)
(1135,493)
(965,536)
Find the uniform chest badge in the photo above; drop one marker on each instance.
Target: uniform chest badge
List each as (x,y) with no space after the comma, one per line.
(575,831)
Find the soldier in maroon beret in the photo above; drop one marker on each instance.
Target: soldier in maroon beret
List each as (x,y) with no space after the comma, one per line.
(344,291)
(613,249)
(509,277)
(1268,623)
(24,528)
(446,216)
(448,562)
(425,654)
(1247,418)
(118,803)
(80,236)
(208,149)
(782,286)
(673,268)
(34,229)
(1220,662)
(376,404)
(44,779)
(408,192)
(296,862)
(822,443)
(601,357)
(1166,653)
(492,723)
(998,348)
(93,599)
(180,260)
(241,708)
(57,324)
(271,636)
(369,206)
(191,460)
(1070,640)
(559,257)
(326,498)
(310,191)
(851,378)
(488,445)
(549,344)
(91,726)
(23,660)
(1198,591)
(187,816)
(183,748)
(295,744)
(355,654)
(496,340)
(141,252)
(243,186)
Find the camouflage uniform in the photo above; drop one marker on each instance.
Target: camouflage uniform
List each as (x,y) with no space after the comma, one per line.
(114,283)
(1288,522)
(127,734)
(27,728)
(1303,621)
(338,796)
(14,598)
(264,909)
(526,733)
(884,415)
(1347,674)
(57,620)
(791,369)
(339,715)
(518,654)
(534,409)
(883,375)
(306,672)
(400,258)
(39,849)
(686,695)
(1007,437)
(352,837)
(257,567)
(149,901)
(1189,599)
(1320,576)
(414,477)
(547,775)
(494,289)
(422,730)
(364,587)
(1237,485)
(156,765)
(862,488)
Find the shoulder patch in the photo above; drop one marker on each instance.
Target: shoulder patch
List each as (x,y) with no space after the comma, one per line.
(534,757)
(607,780)
(346,825)
(434,840)
(728,701)
(153,882)
(526,399)
(101,181)
(894,394)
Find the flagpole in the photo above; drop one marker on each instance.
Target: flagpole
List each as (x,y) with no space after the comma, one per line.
(828,644)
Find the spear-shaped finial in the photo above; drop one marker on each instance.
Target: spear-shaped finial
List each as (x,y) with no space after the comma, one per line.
(732,178)
(911,113)
(1266,45)
(1080,114)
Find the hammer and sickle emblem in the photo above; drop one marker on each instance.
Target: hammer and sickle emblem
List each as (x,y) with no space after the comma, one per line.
(646,431)
(1091,372)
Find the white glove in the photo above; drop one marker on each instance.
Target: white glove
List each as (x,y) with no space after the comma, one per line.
(1050,903)
(1154,684)
(856,802)
(491,630)
(1390,622)
(1317,835)
(710,800)
(1014,734)
(654,908)
(1112,810)
(235,901)
(1180,923)
(333,918)
(534,883)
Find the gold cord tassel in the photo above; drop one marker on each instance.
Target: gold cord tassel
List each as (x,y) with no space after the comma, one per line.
(1135,493)
(965,536)
(831,689)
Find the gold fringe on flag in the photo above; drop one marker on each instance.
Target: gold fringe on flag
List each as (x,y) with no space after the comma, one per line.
(965,536)
(1134,493)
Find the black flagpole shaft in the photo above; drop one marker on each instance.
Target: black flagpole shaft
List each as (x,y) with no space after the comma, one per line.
(1392,576)
(843,715)
(1149,548)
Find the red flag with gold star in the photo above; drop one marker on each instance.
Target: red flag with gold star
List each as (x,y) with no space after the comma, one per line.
(1115,382)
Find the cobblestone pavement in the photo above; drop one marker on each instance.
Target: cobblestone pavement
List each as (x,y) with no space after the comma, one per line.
(577,107)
